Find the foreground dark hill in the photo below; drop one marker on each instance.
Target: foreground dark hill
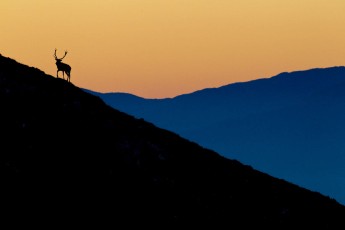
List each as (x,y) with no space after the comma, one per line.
(69,159)
(291,126)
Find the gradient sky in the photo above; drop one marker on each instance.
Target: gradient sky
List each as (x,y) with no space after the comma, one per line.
(164,48)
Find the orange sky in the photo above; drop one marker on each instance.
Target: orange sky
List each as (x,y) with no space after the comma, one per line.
(164,48)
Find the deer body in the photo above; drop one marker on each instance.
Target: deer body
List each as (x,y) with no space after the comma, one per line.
(65,68)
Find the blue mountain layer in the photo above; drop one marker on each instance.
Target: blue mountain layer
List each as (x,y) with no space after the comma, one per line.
(291,126)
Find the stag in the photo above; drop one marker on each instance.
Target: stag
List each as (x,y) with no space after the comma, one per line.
(65,68)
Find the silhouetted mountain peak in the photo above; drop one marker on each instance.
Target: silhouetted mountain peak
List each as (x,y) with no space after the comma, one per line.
(297,81)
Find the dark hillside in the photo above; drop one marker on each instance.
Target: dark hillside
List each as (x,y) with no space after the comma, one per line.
(66,158)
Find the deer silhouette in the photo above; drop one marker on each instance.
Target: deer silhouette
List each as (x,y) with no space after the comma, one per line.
(65,68)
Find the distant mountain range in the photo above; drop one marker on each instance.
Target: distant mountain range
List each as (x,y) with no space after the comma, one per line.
(291,126)
(69,159)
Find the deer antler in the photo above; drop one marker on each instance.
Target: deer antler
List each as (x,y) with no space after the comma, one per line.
(60,58)
(64,55)
(55,54)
